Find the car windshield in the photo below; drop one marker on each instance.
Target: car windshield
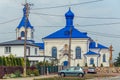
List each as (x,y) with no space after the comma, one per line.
(71,68)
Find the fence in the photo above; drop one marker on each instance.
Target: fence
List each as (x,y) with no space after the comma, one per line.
(47,69)
(108,69)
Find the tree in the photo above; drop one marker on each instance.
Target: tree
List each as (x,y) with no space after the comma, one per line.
(4,61)
(1,61)
(117,61)
(101,65)
(86,65)
(93,65)
(27,62)
(78,65)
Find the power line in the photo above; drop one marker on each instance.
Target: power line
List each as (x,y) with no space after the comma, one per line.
(75,16)
(47,14)
(85,25)
(68,5)
(100,24)
(12,20)
(6,32)
(102,34)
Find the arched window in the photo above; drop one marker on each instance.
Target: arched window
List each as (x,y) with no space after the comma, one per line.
(104,58)
(32,35)
(78,53)
(91,61)
(22,34)
(54,52)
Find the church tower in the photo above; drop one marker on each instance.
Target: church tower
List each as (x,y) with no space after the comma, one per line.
(69,18)
(20,30)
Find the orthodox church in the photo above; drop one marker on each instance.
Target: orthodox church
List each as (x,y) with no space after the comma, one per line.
(66,45)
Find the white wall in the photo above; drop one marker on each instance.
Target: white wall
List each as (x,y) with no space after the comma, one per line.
(29,31)
(83,43)
(88,57)
(41,52)
(18,50)
(106,52)
(59,44)
(15,50)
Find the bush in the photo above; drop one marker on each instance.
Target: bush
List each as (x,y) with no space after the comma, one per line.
(12,61)
(78,65)
(17,73)
(29,72)
(36,72)
(93,65)
(86,65)
(12,75)
(6,76)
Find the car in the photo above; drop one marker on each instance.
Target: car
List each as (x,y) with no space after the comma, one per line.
(72,71)
(91,70)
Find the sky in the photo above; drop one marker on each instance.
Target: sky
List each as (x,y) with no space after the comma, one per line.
(11,14)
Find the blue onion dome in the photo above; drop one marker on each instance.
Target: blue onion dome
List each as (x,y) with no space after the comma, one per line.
(69,14)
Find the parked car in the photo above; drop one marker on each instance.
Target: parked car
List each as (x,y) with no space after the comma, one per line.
(92,70)
(72,71)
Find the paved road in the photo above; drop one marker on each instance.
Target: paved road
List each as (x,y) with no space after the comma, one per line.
(31,78)
(45,76)
(107,78)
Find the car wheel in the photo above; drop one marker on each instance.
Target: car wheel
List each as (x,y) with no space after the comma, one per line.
(62,74)
(80,75)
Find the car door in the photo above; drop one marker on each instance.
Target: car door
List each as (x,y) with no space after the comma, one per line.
(69,72)
(76,71)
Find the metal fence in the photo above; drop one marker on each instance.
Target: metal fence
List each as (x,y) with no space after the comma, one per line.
(47,69)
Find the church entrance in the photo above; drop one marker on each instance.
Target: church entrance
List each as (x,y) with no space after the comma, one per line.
(65,63)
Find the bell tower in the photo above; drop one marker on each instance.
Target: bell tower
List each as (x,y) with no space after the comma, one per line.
(20,30)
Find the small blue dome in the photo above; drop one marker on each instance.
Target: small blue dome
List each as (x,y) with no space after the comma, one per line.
(69,14)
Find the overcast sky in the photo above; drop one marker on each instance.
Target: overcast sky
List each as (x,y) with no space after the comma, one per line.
(12,9)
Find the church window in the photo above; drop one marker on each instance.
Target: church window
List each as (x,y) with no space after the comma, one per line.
(31,34)
(54,52)
(22,34)
(7,49)
(35,51)
(91,61)
(28,51)
(78,53)
(104,58)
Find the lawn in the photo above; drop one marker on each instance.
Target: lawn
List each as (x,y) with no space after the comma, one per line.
(87,76)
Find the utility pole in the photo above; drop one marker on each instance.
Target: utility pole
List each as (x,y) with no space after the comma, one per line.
(110,59)
(69,53)
(26,13)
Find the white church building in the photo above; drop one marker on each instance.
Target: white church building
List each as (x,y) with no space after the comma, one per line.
(84,50)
